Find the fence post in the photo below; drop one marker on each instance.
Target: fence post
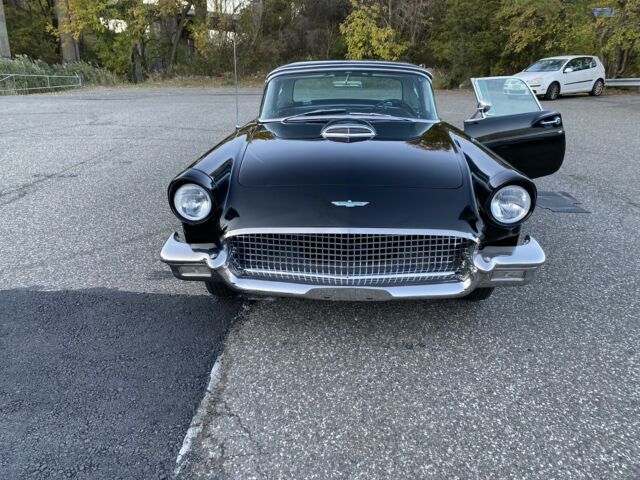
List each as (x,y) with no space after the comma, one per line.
(48,81)
(14,84)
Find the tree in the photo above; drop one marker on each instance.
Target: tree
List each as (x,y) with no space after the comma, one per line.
(467,40)
(5,50)
(68,44)
(28,23)
(539,28)
(618,35)
(367,36)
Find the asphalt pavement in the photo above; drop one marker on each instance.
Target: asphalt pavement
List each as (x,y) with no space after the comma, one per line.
(539,382)
(105,357)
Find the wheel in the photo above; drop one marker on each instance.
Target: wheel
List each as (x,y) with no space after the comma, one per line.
(553,92)
(597,89)
(220,289)
(479,294)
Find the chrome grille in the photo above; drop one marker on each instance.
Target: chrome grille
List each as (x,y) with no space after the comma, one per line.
(347,259)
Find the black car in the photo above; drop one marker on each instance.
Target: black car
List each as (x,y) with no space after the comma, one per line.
(349,187)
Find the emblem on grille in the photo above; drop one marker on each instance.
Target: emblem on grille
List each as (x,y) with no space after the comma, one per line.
(350,204)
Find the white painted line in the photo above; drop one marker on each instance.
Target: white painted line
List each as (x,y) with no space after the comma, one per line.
(197,421)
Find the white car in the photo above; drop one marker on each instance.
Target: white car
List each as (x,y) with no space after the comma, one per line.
(555,76)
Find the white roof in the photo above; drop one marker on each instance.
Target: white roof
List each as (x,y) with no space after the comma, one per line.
(565,57)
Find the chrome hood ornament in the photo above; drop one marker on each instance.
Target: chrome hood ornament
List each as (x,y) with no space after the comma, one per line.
(350,204)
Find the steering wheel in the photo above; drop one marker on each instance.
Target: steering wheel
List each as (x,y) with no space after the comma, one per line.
(395,103)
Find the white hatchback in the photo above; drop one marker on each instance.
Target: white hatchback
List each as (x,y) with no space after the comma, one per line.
(555,76)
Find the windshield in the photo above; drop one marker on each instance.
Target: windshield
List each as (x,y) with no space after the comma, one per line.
(373,93)
(549,65)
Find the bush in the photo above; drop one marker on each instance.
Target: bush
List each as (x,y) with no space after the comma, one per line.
(443,79)
(90,75)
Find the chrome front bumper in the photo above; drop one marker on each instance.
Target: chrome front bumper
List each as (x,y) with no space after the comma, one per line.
(492,267)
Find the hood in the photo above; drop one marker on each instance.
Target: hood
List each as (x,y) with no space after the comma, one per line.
(411,176)
(531,75)
(402,154)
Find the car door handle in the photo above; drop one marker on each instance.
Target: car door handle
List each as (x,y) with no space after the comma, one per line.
(551,123)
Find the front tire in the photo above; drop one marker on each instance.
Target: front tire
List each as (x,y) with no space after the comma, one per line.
(597,89)
(479,294)
(553,92)
(220,290)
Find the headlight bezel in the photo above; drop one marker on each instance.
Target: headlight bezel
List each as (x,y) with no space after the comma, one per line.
(179,212)
(529,202)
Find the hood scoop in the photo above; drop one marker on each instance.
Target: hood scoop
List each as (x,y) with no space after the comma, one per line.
(348,132)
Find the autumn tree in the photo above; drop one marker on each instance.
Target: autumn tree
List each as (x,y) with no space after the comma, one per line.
(618,35)
(368,34)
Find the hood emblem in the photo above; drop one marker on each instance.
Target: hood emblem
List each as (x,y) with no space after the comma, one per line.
(350,204)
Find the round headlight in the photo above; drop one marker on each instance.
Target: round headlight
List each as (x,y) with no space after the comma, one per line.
(192,202)
(510,204)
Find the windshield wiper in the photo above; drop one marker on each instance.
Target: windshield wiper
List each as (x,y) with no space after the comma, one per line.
(382,115)
(325,111)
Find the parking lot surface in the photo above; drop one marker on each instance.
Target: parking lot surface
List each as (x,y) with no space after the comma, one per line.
(103,356)
(106,357)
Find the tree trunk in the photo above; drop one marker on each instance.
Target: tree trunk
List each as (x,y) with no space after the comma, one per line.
(68,45)
(178,35)
(5,51)
(200,7)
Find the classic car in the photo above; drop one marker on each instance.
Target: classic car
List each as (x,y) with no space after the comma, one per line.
(348,186)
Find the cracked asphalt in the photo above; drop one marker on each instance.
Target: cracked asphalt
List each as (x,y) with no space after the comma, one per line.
(105,357)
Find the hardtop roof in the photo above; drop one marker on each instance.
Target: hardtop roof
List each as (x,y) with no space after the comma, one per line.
(346,64)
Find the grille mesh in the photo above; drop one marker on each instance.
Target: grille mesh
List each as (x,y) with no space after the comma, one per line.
(347,259)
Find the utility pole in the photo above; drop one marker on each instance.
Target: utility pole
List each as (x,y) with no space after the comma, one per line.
(5,51)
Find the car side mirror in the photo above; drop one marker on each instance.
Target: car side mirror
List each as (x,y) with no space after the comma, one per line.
(568,70)
(483,107)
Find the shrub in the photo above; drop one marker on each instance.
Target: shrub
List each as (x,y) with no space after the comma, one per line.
(90,74)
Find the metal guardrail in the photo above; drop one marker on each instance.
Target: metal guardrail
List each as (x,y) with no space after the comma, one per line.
(19,82)
(622,82)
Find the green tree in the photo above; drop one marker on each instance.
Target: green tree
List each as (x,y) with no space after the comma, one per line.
(28,25)
(539,28)
(467,40)
(367,36)
(618,36)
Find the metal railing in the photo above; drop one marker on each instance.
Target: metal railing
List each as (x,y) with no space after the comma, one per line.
(622,82)
(21,82)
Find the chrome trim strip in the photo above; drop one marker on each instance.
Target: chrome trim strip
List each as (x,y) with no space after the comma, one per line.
(350,277)
(346,116)
(375,231)
(348,68)
(347,135)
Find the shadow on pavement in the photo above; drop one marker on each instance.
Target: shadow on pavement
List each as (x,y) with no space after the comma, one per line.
(102,383)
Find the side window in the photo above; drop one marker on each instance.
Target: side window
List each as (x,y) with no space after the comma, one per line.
(504,96)
(576,64)
(592,64)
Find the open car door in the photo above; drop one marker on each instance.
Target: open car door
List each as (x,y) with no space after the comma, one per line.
(511,122)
